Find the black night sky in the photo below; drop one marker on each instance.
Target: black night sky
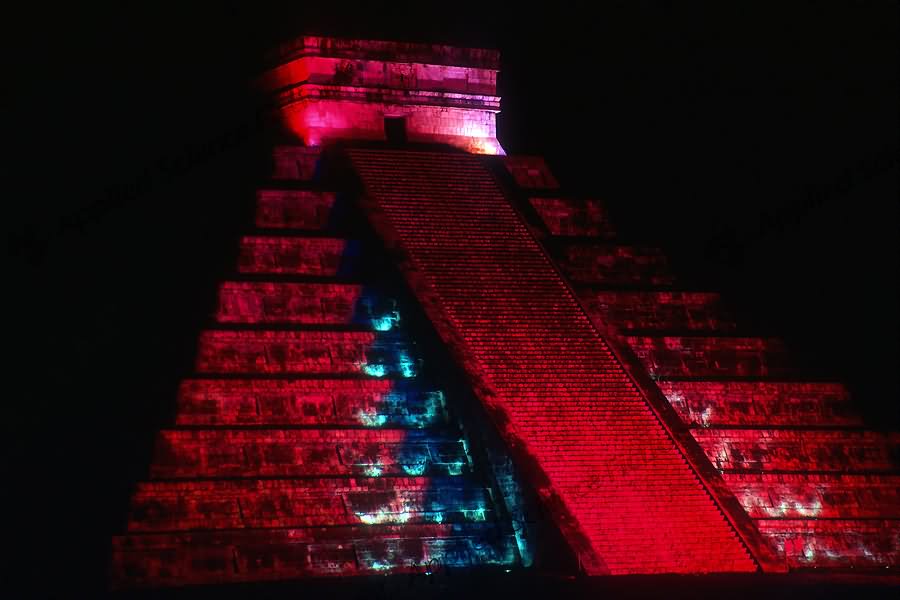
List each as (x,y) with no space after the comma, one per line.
(756,144)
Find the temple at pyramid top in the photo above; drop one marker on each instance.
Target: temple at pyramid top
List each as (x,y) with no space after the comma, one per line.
(331,89)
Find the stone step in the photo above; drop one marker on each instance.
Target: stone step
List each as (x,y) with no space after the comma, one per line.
(249,302)
(799,450)
(218,453)
(612,265)
(297,163)
(761,403)
(254,504)
(804,495)
(297,255)
(834,543)
(711,356)
(573,216)
(296,209)
(253,555)
(310,402)
(366,353)
(658,310)
(530,172)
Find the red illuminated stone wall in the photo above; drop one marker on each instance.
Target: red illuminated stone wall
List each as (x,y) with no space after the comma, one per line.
(819,495)
(318,120)
(566,216)
(664,310)
(296,256)
(531,172)
(326,401)
(702,356)
(284,302)
(295,162)
(332,89)
(298,209)
(773,403)
(615,265)
(798,450)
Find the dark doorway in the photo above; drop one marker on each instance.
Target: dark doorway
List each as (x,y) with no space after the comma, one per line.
(395,129)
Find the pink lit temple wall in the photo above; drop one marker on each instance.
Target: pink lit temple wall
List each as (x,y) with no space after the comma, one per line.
(331,89)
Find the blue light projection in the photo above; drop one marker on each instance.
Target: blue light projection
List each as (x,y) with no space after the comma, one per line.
(455,468)
(390,354)
(407,405)
(385,322)
(415,469)
(374,370)
(474,515)
(373,470)
(514,499)
(371,418)
(378,311)
(406,365)
(432,448)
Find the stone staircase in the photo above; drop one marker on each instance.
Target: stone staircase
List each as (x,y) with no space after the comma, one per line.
(613,478)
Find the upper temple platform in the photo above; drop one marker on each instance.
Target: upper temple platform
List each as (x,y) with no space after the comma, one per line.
(329,89)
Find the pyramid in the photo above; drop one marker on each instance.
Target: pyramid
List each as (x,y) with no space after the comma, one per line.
(426,342)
